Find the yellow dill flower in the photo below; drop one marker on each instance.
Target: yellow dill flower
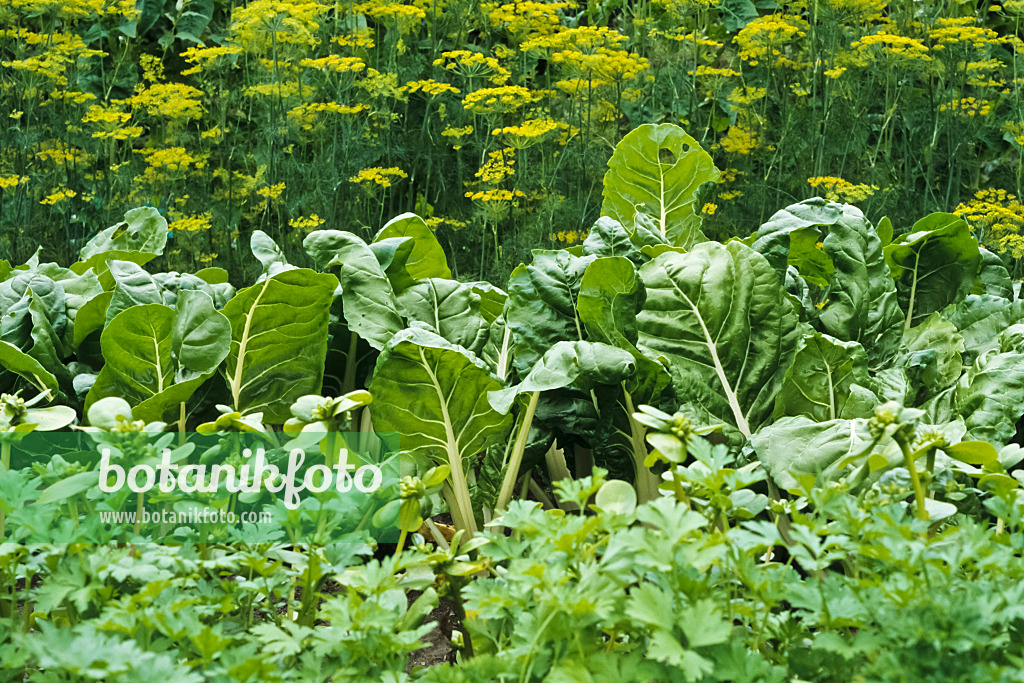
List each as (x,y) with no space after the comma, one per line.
(59,196)
(273,90)
(1014,132)
(124,133)
(307,223)
(529,18)
(998,219)
(208,258)
(271,191)
(763,38)
(291,22)
(429,87)
(203,58)
(858,10)
(379,176)
(838,189)
(377,84)
(498,166)
(740,140)
(960,31)
(502,99)
(335,63)
(494,195)
(709,209)
(361,38)
(194,223)
(404,18)
(7,181)
(528,133)
(170,100)
(967,107)
(473,65)
(306,115)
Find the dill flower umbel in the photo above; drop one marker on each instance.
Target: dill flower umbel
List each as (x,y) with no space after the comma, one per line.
(998,217)
(58,196)
(503,99)
(195,223)
(379,176)
(837,189)
(307,223)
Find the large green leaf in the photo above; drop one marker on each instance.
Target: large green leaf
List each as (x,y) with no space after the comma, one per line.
(369,302)
(720,316)
(133,287)
(566,363)
(448,308)
(270,256)
(143,230)
(425,259)
(157,356)
(931,358)
(278,341)
(796,446)
(20,363)
(542,304)
(611,295)
(832,246)
(981,319)
(993,277)
(821,381)
(935,265)
(435,395)
(990,395)
(50,295)
(656,170)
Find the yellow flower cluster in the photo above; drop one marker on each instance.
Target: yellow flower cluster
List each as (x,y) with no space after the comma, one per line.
(999,217)
(494,196)
(359,39)
(529,18)
(967,107)
(505,98)
(837,189)
(498,166)
(893,46)
(528,133)
(714,72)
(859,10)
(429,87)
(457,134)
(195,223)
(7,181)
(307,223)
(473,65)
(170,100)
(761,40)
(261,24)
(1015,131)
(569,236)
(379,176)
(206,57)
(335,63)
(957,31)
(58,196)
(271,191)
(740,140)
(305,115)
(403,17)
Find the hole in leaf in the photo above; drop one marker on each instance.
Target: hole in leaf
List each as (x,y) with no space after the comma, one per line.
(665,156)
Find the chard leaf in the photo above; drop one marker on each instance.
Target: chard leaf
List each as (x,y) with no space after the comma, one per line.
(935,265)
(931,358)
(727,328)
(448,308)
(990,396)
(369,302)
(796,446)
(656,170)
(981,319)
(278,341)
(133,287)
(425,259)
(435,395)
(143,230)
(993,277)
(859,297)
(821,381)
(157,356)
(20,363)
(542,305)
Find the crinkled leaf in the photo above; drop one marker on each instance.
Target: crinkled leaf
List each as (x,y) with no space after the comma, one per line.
(727,328)
(278,341)
(369,302)
(656,169)
(935,265)
(820,381)
(797,446)
(143,230)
